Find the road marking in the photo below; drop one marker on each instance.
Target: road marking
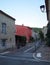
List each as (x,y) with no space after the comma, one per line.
(27,59)
(38,59)
(5,52)
(28,49)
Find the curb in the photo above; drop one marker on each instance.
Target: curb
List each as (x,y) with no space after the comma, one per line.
(4,52)
(38,59)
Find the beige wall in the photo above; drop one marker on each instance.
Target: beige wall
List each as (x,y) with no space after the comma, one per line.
(10,31)
(35,35)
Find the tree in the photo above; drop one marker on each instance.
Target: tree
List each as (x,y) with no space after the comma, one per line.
(32,39)
(41,35)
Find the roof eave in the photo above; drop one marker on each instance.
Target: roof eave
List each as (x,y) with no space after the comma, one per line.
(7,15)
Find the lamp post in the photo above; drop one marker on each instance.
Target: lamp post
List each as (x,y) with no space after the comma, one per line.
(42,7)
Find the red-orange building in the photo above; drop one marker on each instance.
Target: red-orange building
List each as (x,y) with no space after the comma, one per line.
(22,30)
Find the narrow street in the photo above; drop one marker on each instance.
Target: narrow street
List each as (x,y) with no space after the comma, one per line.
(23,56)
(24,32)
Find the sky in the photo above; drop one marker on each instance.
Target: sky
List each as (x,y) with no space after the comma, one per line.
(26,12)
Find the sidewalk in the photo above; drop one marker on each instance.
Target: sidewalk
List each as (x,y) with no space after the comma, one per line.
(45,53)
(15,49)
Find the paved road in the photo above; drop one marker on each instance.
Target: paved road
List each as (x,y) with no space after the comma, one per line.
(11,61)
(21,57)
(27,48)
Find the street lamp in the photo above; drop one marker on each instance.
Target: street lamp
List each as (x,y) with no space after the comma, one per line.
(42,7)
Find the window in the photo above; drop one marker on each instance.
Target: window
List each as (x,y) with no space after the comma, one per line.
(4,28)
(3,42)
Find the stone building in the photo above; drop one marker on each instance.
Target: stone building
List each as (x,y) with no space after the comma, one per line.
(47,3)
(25,31)
(7,31)
(35,35)
(44,30)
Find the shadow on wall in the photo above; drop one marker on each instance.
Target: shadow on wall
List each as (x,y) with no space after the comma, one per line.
(20,41)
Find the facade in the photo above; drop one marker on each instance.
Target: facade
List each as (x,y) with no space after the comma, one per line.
(7,31)
(47,3)
(35,35)
(22,30)
(44,30)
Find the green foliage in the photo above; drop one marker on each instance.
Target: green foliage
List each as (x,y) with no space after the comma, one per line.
(41,35)
(32,39)
(36,29)
(48,42)
(23,41)
(20,41)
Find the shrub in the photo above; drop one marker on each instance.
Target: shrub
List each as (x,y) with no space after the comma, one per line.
(23,41)
(41,35)
(32,39)
(48,42)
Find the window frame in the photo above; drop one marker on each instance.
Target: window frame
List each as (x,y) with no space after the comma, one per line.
(3,42)
(4,28)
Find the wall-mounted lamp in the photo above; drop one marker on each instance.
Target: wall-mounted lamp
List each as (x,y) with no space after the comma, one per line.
(42,7)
